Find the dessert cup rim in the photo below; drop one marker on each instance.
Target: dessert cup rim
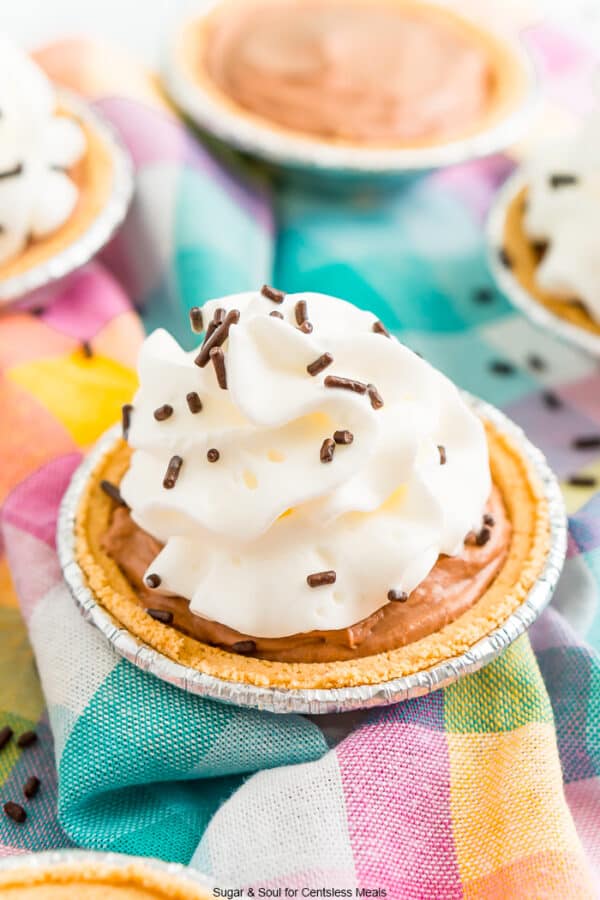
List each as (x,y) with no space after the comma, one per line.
(291,149)
(334,699)
(101,228)
(510,285)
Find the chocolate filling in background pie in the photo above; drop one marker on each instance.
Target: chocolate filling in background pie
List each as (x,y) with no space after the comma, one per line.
(381,73)
(305,502)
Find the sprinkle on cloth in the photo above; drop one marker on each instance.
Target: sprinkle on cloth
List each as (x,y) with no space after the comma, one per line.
(488,788)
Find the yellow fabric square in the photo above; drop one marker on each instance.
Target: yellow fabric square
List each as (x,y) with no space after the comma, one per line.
(8,598)
(576,497)
(19,683)
(84,394)
(507,798)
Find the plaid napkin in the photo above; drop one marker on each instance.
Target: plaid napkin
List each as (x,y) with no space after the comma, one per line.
(490,788)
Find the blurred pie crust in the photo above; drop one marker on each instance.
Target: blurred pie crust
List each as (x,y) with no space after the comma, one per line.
(93,176)
(524,259)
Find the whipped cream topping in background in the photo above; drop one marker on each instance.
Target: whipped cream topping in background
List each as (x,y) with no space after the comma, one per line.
(36,196)
(563,206)
(360,71)
(242,534)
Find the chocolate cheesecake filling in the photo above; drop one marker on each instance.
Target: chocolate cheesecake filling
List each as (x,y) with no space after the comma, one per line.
(363,72)
(454,584)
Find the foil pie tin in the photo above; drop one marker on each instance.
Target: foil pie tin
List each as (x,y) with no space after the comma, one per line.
(31,285)
(319,701)
(511,286)
(292,150)
(177,874)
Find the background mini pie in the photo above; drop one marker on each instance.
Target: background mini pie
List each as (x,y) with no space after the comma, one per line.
(65,180)
(93,175)
(523,256)
(337,86)
(349,74)
(545,220)
(89,879)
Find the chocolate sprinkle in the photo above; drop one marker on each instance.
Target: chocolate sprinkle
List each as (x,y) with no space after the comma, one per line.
(276,314)
(163,412)
(196,319)
(194,402)
(488,519)
(398,596)
(161,615)
(348,384)
(562,179)
(319,364)
(552,400)
(26,739)
(112,491)
(504,257)
(244,647)
(218,316)
(442,452)
(31,786)
(218,360)
(5,735)
(582,481)
(86,349)
(217,337)
(153,580)
(327,450)
(172,473)
(126,411)
(213,455)
(379,328)
(343,437)
(374,396)
(501,367)
(272,293)
(301,313)
(483,295)
(15,812)
(318,579)
(587,442)
(536,362)
(483,536)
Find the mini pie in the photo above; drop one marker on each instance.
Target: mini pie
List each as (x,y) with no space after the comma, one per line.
(56,169)
(258,550)
(549,229)
(370,74)
(92,880)
(524,256)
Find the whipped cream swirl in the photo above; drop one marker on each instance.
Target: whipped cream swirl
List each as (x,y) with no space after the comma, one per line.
(36,147)
(242,533)
(562,211)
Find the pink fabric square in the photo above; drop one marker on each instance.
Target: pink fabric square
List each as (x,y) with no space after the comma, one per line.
(396,781)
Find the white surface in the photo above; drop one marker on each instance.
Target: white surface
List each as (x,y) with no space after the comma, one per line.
(139,26)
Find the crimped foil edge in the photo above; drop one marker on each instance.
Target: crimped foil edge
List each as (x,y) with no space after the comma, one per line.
(101,229)
(288,149)
(511,286)
(321,701)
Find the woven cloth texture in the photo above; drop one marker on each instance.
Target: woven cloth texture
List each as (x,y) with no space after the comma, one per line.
(489,788)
